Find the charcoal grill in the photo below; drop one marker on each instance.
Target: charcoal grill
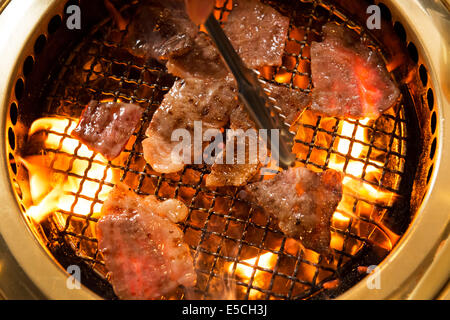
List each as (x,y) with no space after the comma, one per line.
(52,72)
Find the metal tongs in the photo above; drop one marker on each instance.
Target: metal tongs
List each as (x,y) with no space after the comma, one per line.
(255,99)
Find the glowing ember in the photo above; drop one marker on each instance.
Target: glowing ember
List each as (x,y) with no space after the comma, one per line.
(248,268)
(283,77)
(331,284)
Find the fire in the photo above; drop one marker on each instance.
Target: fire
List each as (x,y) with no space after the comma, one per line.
(283,76)
(68,177)
(248,268)
(352,143)
(357,148)
(361,195)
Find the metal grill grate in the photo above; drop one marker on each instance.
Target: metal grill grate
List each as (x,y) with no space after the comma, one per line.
(236,248)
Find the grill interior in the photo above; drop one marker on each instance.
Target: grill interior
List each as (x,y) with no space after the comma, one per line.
(238,252)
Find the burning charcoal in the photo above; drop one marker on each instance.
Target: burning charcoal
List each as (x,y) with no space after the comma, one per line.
(190,100)
(106,127)
(160,29)
(302,201)
(258,33)
(143,248)
(350,80)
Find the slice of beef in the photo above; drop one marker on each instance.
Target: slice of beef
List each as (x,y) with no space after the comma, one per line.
(203,60)
(235,174)
(290,102)
(258,33)
(160,29)
(350,80)
(106,127)
(190,100)
(142,246)
(302,201)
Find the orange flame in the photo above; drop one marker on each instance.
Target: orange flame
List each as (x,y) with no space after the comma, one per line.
(360,170)
(246,268)
(55,178)
(352,143)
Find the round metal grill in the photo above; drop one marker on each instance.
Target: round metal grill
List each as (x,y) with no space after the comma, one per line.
(238,252)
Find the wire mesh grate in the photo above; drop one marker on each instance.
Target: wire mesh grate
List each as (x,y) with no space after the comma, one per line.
(236,248)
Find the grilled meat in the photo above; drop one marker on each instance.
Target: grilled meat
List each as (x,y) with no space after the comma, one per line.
(202,61)
(258,33)
(209,95)
(350,80)
(187,101)
(159,30)
(302,201)
(162,30)
(142,246)
(107,127)
(290,104)
(235,174)
(211,102)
